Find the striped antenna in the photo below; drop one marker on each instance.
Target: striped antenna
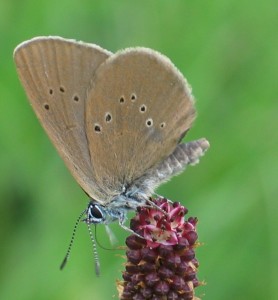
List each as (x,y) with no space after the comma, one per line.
(71,241)
(95,254)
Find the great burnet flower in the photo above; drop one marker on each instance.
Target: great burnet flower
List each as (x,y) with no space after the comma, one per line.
(162,264)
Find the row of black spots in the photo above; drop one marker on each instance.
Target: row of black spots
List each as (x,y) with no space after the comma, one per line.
(107,119)
(62,90)
(143,109)
(149,123)
(133,98)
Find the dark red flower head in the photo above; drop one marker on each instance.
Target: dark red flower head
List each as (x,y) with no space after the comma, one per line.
(162,264)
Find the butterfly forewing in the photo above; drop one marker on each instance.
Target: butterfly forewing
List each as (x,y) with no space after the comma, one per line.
(138,108)
(56,74)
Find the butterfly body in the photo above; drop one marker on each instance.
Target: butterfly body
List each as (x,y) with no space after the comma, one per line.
(117,208)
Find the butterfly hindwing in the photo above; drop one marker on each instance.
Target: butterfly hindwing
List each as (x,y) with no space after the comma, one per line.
(138,108)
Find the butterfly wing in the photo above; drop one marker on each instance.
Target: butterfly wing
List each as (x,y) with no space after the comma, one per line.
(56,74)
(138,109)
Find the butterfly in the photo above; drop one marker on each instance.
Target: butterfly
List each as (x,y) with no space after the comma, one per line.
(117,120)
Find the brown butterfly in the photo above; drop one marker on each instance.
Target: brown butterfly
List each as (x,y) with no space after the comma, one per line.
(117,120)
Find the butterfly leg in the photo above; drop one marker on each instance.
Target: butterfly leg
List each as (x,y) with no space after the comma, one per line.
(153,205)
(161,197)
(121,223)
(130,230)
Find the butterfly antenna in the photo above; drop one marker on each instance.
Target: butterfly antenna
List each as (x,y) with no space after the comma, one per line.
(95,254)
(65,260)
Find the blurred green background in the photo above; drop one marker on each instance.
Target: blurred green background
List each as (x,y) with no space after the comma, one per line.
(228,52)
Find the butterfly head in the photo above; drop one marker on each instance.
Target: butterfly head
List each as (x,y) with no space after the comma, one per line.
(100,214)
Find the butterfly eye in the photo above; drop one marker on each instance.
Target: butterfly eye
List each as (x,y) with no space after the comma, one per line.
(94,212)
